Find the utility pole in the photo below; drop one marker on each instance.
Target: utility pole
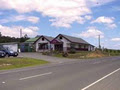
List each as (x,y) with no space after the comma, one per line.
(20,33)
(99,41)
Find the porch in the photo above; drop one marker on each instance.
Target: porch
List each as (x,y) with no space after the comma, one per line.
(58,45)
(43,47)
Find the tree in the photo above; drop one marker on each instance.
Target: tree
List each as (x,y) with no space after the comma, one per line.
(25,36)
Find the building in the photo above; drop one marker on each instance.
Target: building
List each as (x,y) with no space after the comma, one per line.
(39,43)
(12,45)
(65,43)
(60,43)
(43,43)
(29,45)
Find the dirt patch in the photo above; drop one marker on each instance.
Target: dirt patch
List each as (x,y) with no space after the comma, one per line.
(95,54)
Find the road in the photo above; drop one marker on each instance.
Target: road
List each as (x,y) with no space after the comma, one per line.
(37,55)
(96,74)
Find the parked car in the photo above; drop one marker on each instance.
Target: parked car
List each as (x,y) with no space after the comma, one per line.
(10,52)
(2,54)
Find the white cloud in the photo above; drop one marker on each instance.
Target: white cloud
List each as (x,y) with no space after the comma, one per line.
(88,17)
(91,32)
(112,26)
(56,9)
(103,19)
(4,21)
(14,31)
(108,21)
(117,46)
(31,19)
(65,22)
(115,39)
(94,3)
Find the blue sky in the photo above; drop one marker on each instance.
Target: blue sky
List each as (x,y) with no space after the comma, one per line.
(81,18)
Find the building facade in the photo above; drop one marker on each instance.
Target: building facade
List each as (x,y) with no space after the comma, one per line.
(65,43)
(59,43)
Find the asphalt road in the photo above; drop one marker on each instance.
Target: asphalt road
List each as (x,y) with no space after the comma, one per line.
(45,57)
(97,74)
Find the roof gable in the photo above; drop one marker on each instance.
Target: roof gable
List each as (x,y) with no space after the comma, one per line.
(48,38)
(74,39)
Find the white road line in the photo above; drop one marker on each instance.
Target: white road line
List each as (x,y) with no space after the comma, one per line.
(100,79)
(36,76)
(25,69)
(3,82)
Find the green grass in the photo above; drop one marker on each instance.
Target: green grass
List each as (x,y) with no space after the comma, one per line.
(11,63)
(88,55)
(59,55)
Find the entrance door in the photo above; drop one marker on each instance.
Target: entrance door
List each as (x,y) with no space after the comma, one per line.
(59,47)
(43,46)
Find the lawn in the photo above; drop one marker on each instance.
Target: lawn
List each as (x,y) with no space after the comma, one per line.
(11,63)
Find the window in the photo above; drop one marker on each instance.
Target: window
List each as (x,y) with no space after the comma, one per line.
(79,46)
(42,39)
(60,37)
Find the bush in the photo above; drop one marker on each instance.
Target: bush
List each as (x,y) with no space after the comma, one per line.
(72,51)
(65,54)
(55,52)
(46,53)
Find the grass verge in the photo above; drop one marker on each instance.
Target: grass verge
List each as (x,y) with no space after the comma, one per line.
(11,63)
(88,55)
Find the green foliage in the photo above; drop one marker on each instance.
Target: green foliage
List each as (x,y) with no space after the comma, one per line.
(112,52)
(6,39)
(65,54)
(72,51)
(56,52)
(47,53)
(11,63)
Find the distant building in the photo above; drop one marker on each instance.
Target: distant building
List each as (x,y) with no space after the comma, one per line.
(61,43)
(65,43)
(40,43)
(12,45)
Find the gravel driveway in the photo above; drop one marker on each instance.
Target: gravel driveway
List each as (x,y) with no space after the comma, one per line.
(44,57)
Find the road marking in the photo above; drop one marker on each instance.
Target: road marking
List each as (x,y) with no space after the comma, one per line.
(36,76)
(3,82)
(85,88)
(25,69)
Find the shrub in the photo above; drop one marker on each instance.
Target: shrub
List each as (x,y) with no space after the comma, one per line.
(46,53)
(65,54)
(55,52)
(72,51)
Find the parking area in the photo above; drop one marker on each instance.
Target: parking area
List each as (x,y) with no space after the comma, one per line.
(44,57)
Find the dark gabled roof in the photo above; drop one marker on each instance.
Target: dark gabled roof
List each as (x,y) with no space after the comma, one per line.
(74,39)
(49,38)
(33,40)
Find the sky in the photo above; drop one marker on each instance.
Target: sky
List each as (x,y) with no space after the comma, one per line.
(86,19)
